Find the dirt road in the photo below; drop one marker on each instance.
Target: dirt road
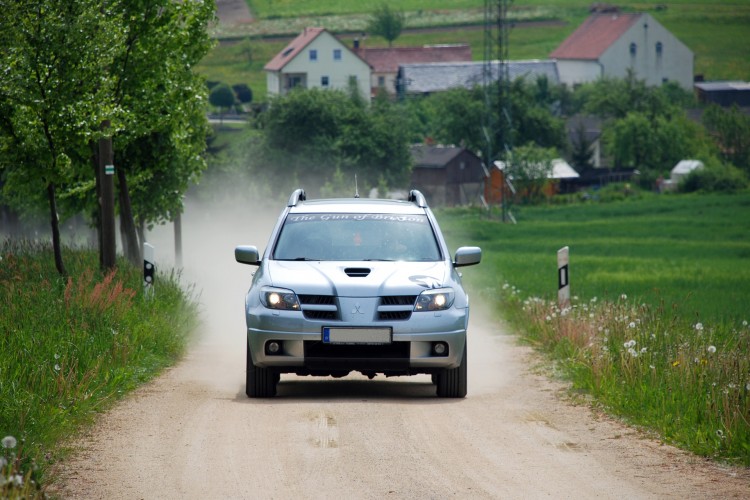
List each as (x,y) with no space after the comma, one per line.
(193,434)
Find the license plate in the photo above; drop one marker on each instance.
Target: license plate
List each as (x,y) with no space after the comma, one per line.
(372,336)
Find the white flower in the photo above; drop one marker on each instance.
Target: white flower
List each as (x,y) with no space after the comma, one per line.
(633,352)
(711,349)
(632,324)
(9,442)
(720,433)
(629,344)
(623,297)
(594,300)
(744,323)
(57,367)
(57,356)
(699,326)
(549,318)
(652,367)
(747,386)
(644,350)
(17,480)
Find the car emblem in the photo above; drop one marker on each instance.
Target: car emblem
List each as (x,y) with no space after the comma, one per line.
(357,309)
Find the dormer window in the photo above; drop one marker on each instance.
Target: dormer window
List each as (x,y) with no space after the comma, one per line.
(659,48)
(633,49)
(313,55)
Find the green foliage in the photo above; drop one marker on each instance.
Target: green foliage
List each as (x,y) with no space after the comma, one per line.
(74,346)
(715,177)
(386,22)
(731,128)
(222,96)
(530,168)
(308,134)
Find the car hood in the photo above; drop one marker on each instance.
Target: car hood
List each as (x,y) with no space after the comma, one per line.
(358,279)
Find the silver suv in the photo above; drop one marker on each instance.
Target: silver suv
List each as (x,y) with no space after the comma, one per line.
(356,285)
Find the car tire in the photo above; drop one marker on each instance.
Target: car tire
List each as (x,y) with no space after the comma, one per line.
(259,382)
(452,383)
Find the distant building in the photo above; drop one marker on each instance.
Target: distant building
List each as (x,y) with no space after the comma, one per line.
(438,77)
(317,59)
(386,60)
(724,94)
(610,44)
(447,175)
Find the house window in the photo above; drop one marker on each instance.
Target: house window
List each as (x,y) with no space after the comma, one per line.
(633,49)
(659,48)
(313,55)
(324,81)
(381,81)
(336,54)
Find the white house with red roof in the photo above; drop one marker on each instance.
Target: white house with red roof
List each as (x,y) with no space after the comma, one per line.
(317,59)
(385,61)
(610,44)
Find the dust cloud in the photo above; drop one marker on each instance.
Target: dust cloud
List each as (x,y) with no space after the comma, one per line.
(210,232)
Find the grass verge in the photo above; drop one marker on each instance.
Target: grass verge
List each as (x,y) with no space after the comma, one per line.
(658,329)
(71,347)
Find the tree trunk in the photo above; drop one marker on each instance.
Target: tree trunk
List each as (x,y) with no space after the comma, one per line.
(127,224)
(97,213)
(55,223)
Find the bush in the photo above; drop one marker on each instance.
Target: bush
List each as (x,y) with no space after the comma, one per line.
(715,178)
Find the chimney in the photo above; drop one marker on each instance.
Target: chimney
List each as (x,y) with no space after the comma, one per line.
(356,44)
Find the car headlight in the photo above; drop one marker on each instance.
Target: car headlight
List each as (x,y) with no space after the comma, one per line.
(435,300)
(279,298)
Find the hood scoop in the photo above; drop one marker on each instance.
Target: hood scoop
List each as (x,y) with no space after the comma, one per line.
(357,272)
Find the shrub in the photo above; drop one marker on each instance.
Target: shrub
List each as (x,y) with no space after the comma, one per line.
(715,178)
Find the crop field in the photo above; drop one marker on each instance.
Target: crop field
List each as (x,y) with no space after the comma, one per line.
(658,328)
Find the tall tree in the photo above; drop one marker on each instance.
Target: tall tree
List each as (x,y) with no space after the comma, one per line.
(386,22)
(54,90)
(731,131)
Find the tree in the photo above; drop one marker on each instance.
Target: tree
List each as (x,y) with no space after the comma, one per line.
(730,129)
(386,22)
(222,96)
(54,93)
(530,168)
(243,92)
(309,134)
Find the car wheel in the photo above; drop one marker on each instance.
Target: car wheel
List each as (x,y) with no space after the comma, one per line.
(260,382)
(451,383)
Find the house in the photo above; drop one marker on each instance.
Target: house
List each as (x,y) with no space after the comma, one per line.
(447,175)
(386,60)
(560,179)
(611,44)
(436,77)
(317,59)
(586,129)
(724,93)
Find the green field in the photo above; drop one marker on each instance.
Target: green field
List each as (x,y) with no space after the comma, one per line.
(658,329)
(717,32)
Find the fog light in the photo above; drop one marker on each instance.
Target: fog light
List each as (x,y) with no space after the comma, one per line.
(440,348)
(273,347)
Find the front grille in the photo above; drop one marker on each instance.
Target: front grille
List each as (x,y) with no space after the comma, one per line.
(396,307)
(319,307)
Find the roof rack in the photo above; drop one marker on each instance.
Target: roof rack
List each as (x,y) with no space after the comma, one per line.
(297,196)
(415,196)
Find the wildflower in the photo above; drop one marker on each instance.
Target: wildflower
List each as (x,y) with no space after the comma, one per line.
(57,356)
(9,442)
(57,367)
(698,327)
(549,318)
(720,433)
(747,387)
(676,363)
(744,323)
(633,352)
(623,297)
(711,349)
(17,480)
(629,344)
(652,367)
(594,300)
(632,324)
(644,350)
(591,315)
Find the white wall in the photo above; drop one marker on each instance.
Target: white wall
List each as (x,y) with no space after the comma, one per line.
(573,71)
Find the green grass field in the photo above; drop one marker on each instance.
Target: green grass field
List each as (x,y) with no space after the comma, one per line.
(717,32)
(658,330)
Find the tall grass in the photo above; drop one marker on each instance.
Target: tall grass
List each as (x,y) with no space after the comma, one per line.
(70,347)
(658,329)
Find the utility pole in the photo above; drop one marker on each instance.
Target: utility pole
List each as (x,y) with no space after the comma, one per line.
(107,199)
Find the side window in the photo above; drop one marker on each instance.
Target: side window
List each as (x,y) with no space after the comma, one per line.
(381,81)
(336,54)
(659,48)
(324,81)
(633,49)
(313,55)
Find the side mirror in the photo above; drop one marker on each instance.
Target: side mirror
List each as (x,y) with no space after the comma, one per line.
(467,256)
(246,254)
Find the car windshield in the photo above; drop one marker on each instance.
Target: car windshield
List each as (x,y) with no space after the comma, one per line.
(347,237)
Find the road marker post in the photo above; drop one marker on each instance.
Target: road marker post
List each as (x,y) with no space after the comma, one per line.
(563,278)
(149,269)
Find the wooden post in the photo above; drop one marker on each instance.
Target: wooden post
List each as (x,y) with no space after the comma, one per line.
(107,200)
